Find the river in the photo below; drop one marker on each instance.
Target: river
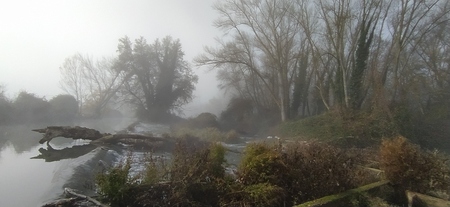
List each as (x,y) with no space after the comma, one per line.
(28,182)
(32,174)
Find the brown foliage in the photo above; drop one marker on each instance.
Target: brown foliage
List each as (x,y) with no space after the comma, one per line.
(407,166)
(319,169)
(301,172)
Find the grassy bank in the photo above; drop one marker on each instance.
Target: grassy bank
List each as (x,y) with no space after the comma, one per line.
(332,125)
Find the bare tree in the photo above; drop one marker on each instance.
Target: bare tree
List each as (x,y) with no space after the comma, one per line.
(92,83)
(263,41)
(72,78)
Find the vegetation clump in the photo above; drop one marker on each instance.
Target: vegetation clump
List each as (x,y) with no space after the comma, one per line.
(271,175)
(115,184)
(363,126)
(295,174)
(267,176)
(409,167)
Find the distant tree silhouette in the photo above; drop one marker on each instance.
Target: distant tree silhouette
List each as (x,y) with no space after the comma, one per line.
(63,108)
(29,108)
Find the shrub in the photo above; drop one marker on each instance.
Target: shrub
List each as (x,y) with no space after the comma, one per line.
(203,120)
(195,173)
(264,194)
(301,172)
(115,184)
(318,169)
(261,164)
(155,169)
(407,166)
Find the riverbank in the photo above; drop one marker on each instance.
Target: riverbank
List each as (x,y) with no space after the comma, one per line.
(249,171)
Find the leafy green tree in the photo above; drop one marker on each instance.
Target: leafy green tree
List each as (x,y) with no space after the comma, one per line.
(160,81)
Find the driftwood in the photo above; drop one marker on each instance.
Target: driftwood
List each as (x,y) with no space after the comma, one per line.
(76,132)
(63,202)
(72,192)
(74,201)
(98,138)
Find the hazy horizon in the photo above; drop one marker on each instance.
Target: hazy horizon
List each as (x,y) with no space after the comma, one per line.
(37,36)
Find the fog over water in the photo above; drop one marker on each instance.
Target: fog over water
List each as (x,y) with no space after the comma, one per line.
(36,37)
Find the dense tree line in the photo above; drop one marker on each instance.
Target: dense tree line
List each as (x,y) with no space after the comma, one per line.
(302,58)
(28,108)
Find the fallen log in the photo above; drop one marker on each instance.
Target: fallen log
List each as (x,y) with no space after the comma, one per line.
(98,138)
(72,192)
(77,200)
(76,132)
(63,202)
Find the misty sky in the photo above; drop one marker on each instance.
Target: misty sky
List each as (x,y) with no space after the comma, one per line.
(36,36)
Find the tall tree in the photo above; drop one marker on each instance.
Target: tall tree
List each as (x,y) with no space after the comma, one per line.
(263,43)
(159,80)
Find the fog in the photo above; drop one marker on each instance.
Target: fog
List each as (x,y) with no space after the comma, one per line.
(36,37)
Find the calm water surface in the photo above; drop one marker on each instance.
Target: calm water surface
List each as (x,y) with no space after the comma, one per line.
(26,182)
(32,182)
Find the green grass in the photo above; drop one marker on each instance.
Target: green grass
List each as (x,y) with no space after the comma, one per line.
(333,126)
(321,127)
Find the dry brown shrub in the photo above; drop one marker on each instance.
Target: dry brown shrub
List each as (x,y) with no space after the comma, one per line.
(302,171)
(318,169)
(409,167)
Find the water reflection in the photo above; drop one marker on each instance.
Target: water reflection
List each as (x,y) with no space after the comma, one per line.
(26,182)
(32,182)
(51,155)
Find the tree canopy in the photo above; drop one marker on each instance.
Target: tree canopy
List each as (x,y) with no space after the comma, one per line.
(154,78)
(160,81)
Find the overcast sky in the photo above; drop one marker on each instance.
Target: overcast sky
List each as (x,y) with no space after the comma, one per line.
(37,35)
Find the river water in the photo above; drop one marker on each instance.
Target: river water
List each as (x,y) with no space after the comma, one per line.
(32,174)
